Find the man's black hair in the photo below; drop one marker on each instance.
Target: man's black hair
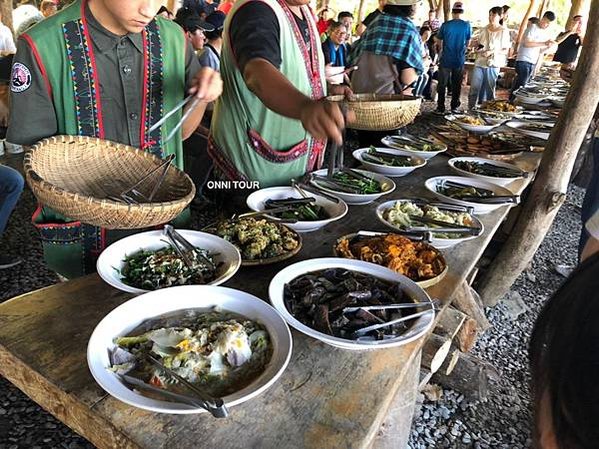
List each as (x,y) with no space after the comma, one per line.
(344,14)
(406,11)
(424,29)
(506,8)
(549,15)
(496,10)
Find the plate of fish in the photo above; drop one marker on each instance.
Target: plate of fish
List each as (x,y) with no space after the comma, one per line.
(190,349)
(150,261)
(440,224)
(482,196)
(351,304)
(388,162)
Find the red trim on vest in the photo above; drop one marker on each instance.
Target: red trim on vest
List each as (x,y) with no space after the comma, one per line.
(92,60)
(39,61)
(37,213)
(144,95)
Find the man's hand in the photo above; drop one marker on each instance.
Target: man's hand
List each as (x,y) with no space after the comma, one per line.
(341,89)
(323,120)
(207,85)
(550,43)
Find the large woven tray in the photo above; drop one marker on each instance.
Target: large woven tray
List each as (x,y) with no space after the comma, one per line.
(377,112)
(74,175)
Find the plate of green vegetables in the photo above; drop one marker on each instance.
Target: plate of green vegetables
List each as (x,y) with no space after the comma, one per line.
(388,162)
(355,187)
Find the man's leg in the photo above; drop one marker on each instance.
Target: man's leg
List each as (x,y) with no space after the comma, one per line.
(11,186)
(476,84)
(590,204)
(457,76)
(441,88)
(522,74)
(492,75)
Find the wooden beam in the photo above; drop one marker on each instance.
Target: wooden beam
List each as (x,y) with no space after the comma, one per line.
(6,10)
(447,10)
(579,8)
(465,300)
(548,192)
(528,15)
(435,351)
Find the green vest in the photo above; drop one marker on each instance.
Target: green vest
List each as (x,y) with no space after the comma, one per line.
(65,56)
(251,142)
(62,48)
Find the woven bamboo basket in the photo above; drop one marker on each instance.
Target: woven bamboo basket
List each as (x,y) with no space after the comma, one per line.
(377,112)
(74,175)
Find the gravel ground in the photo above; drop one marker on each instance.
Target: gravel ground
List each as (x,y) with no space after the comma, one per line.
(503,421)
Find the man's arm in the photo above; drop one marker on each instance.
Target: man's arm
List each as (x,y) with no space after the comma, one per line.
(562,37)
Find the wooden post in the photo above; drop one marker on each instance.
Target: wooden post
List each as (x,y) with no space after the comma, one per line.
(447,10)
(360,17)
(431,5)
(524,23)
(439,8)
(548,192)
(579,8)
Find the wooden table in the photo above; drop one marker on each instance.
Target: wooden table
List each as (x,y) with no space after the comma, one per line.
(327,398)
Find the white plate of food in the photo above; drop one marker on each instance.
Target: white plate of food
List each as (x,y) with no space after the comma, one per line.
(174,327)
(497,172)
(538,130)
(388,162)
(471,123)
(364,187)
(424,148)
(482,196)
(499,108)
(337,328)
(311,217)
(146,261)
(399,216)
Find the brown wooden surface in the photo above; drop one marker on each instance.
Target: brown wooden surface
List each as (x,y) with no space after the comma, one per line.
(327,398)
(549,191)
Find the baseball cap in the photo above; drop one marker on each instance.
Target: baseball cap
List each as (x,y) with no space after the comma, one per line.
(458,7)
(217,20)
(192,22)
(403,2)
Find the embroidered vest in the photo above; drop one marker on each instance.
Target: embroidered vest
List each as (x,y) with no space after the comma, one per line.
(251,142)
(63,50)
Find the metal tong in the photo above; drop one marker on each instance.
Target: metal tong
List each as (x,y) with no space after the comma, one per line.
(445,228)
(491,198)
(134,196)
(198,398)
(168,115)
(185,249)
(336,150)
(363,331)
(303,188)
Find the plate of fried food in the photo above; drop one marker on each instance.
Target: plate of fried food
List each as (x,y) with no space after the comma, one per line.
(472,123)
(260,241)
(419,261)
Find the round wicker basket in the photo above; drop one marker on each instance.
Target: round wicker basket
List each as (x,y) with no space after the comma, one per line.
(377,112)
(74,175)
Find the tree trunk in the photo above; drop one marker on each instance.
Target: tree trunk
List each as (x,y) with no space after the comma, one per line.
(447,10)
(579,8)
(544,6)
(6,10)
(549,189)
(528,15)
(361,11)
(439,8)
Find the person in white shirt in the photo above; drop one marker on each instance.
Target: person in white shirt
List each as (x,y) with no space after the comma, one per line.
(7,42)
(494,45)
(536,40)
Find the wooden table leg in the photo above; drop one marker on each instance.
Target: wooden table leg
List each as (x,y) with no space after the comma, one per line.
(395,430)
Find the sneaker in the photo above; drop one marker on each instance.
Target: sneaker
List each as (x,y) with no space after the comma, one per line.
(439,112)
(9,262)
(457,111)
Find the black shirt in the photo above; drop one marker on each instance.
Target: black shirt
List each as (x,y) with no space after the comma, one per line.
(567,51)
(255,33)
(370,17)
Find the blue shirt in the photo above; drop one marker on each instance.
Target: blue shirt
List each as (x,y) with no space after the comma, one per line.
(455,35)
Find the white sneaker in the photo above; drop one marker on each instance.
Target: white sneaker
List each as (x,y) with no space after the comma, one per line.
(13,148)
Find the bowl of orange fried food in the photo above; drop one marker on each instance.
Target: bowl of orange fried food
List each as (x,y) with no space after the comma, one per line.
(419,261)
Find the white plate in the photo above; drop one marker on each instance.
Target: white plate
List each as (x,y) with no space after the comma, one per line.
(356,199)
(526,99)
(419,326)
(335,210)
(393,172)
(482,160)
(131,314)
(479,208)
(518,125)
(439,243)
(397,146)
(112,258)
(477,129)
